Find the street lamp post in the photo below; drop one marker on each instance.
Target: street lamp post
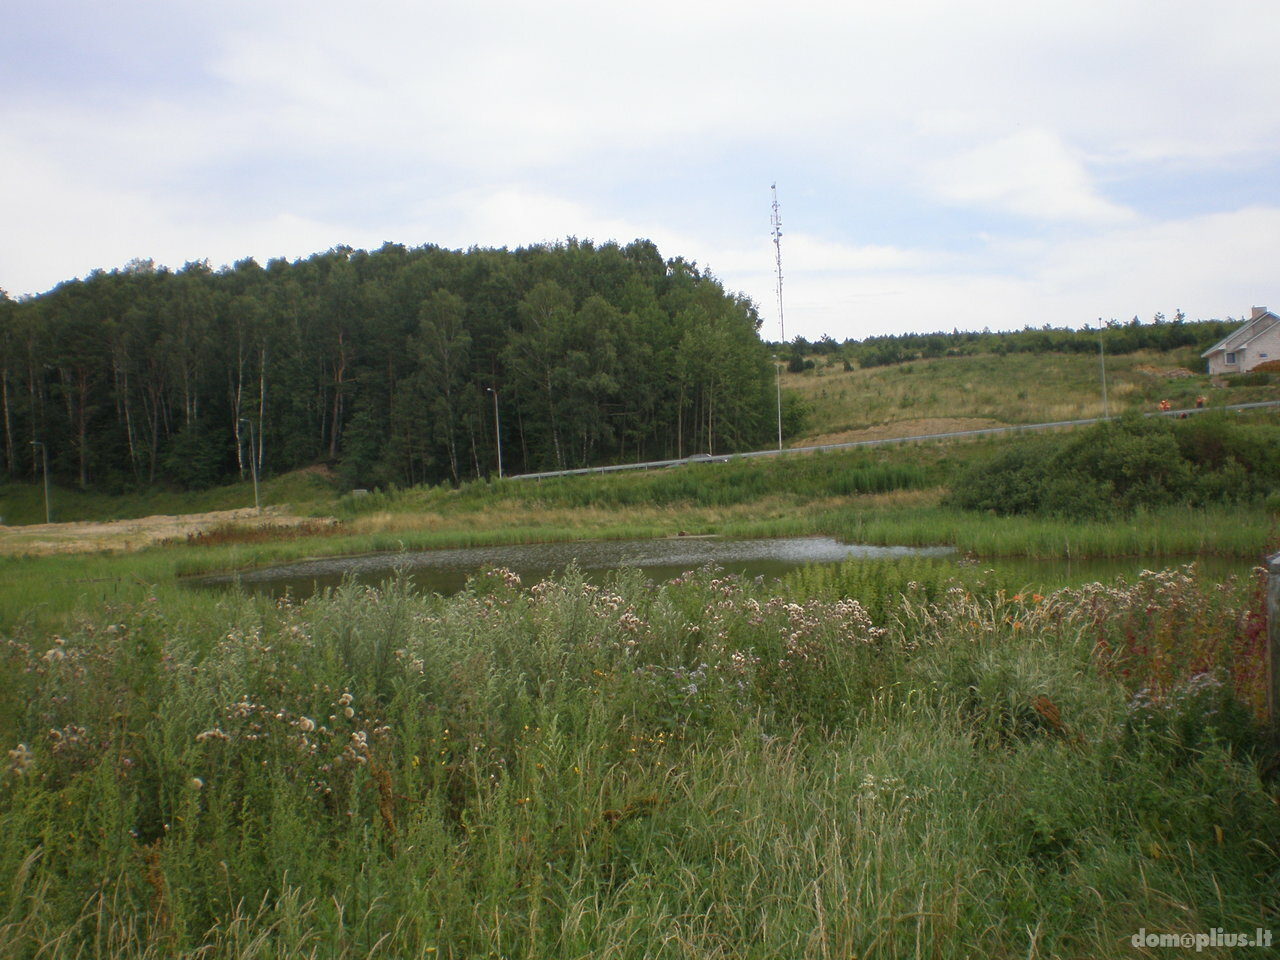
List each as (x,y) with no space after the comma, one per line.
(777,377)
(44,457)
(253,464)
(497,427)
(1102,359)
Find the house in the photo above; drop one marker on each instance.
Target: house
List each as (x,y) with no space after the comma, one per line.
(1256,342)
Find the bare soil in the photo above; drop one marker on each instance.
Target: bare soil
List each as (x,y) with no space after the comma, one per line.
(122,535)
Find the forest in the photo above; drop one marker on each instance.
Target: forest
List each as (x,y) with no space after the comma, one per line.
(1113,337)
(413,365)
(399,366)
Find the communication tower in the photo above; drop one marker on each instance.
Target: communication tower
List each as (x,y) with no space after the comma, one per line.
(776,221)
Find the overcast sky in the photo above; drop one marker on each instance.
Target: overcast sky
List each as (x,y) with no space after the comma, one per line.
(938,164)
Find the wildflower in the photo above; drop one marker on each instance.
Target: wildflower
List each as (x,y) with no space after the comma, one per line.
(195,783)
(20,758)
(306,724)
(348,712)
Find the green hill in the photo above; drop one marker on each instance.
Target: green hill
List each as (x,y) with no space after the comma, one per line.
(1008,389)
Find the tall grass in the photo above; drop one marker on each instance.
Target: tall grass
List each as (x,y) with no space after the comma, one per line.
(697,769)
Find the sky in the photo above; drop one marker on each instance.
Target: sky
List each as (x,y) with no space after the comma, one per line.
(939,164)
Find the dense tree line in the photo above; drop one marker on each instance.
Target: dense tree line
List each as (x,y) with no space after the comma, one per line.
(395,366)
(1114,336)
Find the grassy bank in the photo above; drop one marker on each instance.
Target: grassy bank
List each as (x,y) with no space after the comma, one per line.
(307,491)
(42,591)
(1010,389)
(697,770)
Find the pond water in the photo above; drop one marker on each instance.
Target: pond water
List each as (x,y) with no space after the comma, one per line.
(446,571)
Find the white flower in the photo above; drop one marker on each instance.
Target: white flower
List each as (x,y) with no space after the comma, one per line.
(20,759)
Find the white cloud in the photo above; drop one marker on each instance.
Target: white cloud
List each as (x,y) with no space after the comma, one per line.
(1209,266)
(962,163)
(1030,173)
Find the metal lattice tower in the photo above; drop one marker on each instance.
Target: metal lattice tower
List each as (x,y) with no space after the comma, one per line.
(776,220)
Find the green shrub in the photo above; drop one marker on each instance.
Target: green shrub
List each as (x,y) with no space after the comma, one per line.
(1118,467)
(1200,711)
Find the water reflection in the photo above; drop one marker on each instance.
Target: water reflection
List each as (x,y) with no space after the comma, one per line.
(446,571)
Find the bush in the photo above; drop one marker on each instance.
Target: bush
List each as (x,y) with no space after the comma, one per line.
(1200,711)
(1121,466)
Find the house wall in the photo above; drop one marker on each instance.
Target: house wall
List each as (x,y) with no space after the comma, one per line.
(1218,364)
(1265,348)
(1262,348)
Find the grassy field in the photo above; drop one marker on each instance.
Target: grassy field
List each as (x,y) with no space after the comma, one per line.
(1011,389)
(896,759)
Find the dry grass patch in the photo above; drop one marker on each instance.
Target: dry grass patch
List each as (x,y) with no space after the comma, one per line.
(117,536)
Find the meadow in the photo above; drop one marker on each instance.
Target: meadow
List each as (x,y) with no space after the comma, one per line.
(893,759)
(1007,389)
(701,768)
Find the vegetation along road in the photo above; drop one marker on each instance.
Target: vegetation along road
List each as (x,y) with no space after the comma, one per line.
(849,444)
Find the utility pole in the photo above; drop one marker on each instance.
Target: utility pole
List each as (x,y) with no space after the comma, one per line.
(253,465)
(776,220)
(44,456)
(1102,359)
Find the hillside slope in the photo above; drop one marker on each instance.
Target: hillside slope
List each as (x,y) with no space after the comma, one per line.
(964,393)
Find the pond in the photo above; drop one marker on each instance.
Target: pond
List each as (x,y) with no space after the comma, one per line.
(446,571)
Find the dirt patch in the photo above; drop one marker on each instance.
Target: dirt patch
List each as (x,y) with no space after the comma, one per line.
(1174,373)
(902,428)
(124,535)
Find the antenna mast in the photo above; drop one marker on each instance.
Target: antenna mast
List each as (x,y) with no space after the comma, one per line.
(776,221)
